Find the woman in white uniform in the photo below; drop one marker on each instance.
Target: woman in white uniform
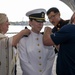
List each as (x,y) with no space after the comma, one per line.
(35,58)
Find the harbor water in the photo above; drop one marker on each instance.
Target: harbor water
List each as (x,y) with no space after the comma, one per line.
(13,29)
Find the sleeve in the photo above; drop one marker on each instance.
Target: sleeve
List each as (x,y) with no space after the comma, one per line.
(50,61)
(24,62)
(61,36)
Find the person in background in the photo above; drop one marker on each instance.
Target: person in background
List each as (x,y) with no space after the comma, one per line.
(66,55)
(35,58)
(4,25)
(72,18)
(54,17)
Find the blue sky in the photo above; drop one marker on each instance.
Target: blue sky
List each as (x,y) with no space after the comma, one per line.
(16,9)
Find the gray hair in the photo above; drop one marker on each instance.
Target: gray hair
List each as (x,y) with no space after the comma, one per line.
(3,18)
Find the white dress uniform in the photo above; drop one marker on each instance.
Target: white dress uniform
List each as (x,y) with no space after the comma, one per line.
(35,58)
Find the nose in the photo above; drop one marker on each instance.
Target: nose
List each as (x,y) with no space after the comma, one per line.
(8,23)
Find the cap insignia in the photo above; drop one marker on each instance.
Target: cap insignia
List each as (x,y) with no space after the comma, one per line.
(42,15)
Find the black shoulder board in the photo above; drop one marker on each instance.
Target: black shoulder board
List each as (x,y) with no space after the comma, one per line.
(42,33)
(25,35)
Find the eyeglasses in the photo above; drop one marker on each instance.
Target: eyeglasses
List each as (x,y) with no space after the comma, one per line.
(52,17)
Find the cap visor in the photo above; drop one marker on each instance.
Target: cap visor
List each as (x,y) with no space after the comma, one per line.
(40,21)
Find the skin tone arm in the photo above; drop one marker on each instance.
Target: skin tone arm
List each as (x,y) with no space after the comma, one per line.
(18,36)
(46,37)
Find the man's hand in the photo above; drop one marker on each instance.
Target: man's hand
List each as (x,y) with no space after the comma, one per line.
(47,30)
(47,38)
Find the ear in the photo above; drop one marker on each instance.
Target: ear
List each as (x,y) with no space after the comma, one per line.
(30,23)
(58,16)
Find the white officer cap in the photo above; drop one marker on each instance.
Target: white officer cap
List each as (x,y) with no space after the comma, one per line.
(37,14)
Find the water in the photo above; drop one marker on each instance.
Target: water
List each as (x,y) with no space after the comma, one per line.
(13,29)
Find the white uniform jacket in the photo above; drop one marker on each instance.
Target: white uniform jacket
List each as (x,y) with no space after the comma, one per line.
(35,58)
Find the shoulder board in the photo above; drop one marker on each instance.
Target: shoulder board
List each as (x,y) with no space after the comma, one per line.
(42,33)
(25,35)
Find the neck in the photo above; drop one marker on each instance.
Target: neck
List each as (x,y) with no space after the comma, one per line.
(36,32)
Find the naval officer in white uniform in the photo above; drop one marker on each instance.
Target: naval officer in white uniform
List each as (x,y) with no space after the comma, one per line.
(35,58)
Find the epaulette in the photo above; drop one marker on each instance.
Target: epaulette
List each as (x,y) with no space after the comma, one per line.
(58,26)
(42,33)
(25,35)
(62,23)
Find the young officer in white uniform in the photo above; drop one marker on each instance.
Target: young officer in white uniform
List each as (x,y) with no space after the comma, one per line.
(35,58)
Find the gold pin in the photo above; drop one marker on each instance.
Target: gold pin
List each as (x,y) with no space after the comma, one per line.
(39,51)
(40,64)
(39,57)
(38,44)
(58,24)
(40,70)
(58,28)
(36,38)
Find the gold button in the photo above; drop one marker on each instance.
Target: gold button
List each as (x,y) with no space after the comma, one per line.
(40,64)
(0,63)
(58,24)
(58,28)
(38,45)
(39,51)
(40,70)
(36,38)
(39,57)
